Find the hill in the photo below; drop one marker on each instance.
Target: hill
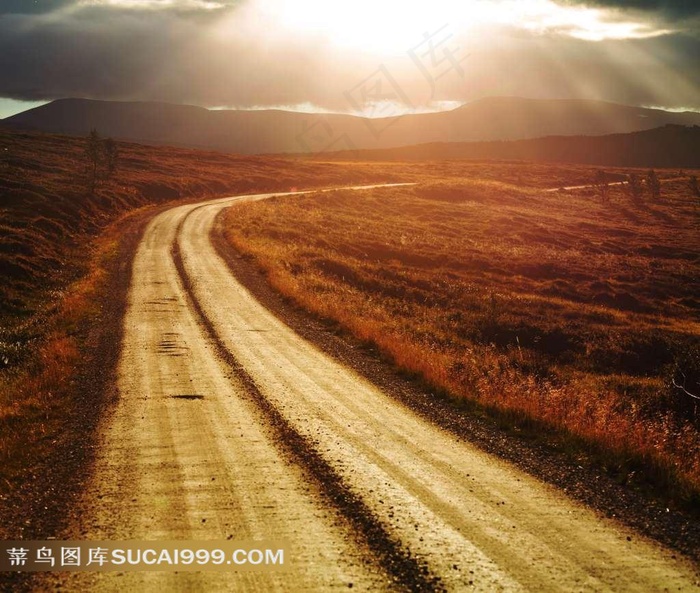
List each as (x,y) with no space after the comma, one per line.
(667,146)
(275,131)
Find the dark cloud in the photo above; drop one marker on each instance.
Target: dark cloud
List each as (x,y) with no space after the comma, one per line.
(32,6)
(80,56)
(676,9)
(35,7)
(155,55)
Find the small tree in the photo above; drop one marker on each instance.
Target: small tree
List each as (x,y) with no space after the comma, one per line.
(100,152)
(94,152)
(654,185)
(685,384)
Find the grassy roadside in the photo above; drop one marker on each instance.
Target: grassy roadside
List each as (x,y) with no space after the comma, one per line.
(56,397)
(557,315)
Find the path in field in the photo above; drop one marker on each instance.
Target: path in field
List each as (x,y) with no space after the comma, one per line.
(278,440)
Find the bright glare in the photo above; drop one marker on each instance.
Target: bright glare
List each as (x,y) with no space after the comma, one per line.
(396,26)
(384,26)
(392,27)
(385,109)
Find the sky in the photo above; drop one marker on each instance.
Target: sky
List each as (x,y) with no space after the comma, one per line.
(370,57)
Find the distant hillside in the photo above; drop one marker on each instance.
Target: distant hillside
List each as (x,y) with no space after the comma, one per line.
(667,146)
(274,131)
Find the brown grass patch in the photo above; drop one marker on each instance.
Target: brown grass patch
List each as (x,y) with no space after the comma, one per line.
(38,397)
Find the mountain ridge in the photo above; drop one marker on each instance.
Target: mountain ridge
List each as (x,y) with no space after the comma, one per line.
(669,146)
(279,131)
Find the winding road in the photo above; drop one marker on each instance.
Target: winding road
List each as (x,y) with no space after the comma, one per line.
(230,425)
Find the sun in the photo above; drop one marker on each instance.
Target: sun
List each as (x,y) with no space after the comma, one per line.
(383,27)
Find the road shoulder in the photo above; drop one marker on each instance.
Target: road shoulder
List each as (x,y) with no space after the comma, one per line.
(41,507)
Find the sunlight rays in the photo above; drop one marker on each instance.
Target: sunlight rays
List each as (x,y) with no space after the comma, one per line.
(390,26)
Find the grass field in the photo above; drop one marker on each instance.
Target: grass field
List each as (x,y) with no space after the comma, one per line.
(556,313)
(60,246)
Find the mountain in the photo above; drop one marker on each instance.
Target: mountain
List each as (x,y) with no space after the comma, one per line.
(668,146)
(275,131)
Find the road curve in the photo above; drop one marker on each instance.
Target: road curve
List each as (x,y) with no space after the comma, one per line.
(278,440)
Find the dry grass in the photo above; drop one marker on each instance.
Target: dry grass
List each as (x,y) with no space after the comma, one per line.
(37,398)
(553,310)
(48,216)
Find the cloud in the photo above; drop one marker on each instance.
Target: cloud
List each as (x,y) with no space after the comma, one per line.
(155,55)
(230,56)
(171,5)
(32,6)
(673,9)
(48,6)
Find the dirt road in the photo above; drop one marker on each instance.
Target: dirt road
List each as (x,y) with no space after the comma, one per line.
(229,424)
(610,184)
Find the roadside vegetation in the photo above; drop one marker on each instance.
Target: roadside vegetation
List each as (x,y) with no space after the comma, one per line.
(567,317)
